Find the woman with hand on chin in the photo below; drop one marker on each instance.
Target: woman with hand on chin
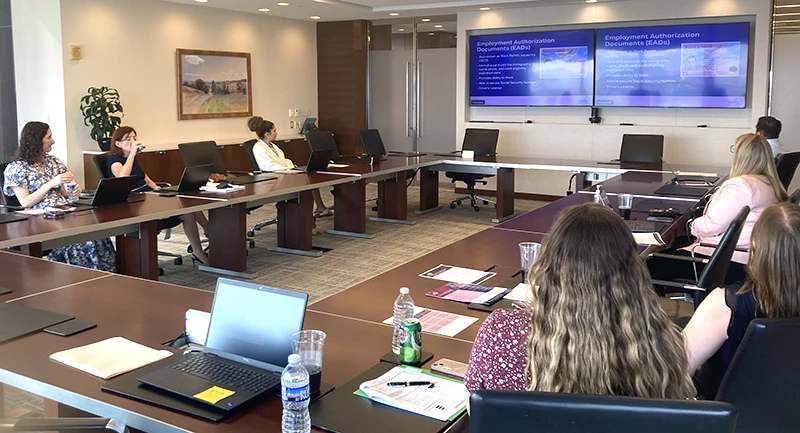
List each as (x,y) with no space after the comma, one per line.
(122,162)
(37,179)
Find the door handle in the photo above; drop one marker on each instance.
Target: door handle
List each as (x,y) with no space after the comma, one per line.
(408,113)
(419,100)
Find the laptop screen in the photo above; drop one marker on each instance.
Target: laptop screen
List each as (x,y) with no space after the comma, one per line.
(250,323)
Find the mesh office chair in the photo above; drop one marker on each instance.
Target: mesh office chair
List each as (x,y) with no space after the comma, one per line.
(715,268)
(165,225)
(62,424)
(795,197)
(248,148)
(8,201)
(763,377)
(484,143)
(641,149)
(787,163)
(549,412)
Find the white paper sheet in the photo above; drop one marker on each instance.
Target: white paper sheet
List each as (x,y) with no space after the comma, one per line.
(109,358)
(648,238)
(518,293)
(439,322)
(456,274)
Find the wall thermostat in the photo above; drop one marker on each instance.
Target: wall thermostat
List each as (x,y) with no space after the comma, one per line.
(75,52)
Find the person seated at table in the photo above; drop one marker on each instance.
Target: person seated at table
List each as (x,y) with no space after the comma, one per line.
(37,179)
(592,325)
(770,291)
(122,162)
(753,182)
(271,158)
(770,128)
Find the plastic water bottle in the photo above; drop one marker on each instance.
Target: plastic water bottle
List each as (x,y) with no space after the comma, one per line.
(295,395)
(403,309)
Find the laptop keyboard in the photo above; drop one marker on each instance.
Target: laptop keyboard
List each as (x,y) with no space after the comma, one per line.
(227,374)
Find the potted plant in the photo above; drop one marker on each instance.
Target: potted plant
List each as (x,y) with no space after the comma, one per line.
(99,107)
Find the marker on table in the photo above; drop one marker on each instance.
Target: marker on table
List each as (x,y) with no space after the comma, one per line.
(413,383)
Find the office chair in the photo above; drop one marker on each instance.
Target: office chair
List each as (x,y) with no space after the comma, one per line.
(165,225)
(8,201)
(484,143)
(59,424)
(763,378)
(641,149)
(787,163)
(795,197)
(248,148)
(716,267)
(550,412)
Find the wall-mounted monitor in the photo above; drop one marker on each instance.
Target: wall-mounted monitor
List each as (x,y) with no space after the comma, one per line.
(699,66)
(532,69)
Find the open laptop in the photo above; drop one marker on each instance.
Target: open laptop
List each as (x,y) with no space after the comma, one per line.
(246,350)
(110,191)
(191,180)
(317,161)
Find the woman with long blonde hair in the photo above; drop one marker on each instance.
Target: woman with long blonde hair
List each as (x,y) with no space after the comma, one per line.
(771,291)
(753,182)
(592,325)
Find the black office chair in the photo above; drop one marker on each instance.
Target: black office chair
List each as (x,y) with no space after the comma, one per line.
(763,377)
(248,148)
(548,412)
(641,149)
(716,267)
(795,197)
(62,424)
(484,143)
(164,225)
(787,163)
(8,201)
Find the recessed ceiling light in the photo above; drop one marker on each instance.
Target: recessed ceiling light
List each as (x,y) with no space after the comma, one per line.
(591,1)
(201,1)
(425,20)
(263,10)
(283,4)
(431,33)
(394,14)
(314,17)
(401,30)
(438,26)
(485,9)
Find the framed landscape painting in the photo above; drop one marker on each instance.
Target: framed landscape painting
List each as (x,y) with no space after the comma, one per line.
(213,84)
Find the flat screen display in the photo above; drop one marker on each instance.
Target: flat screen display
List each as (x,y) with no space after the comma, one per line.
(700,66)
(530,69)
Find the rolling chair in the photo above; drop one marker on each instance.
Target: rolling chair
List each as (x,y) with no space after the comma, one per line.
(8,201)
(716,267)
(787,163)
(641,149)
(795,197)
(763,377)
(484,143)
(550,412)
(248,148)
(165,225)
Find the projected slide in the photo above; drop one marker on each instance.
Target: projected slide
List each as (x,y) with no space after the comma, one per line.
(676,66)
(521,69)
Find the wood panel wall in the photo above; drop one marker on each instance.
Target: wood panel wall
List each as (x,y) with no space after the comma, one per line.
(342,82)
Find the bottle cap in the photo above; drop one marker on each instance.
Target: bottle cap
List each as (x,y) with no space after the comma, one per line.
(404,290)
(294,359)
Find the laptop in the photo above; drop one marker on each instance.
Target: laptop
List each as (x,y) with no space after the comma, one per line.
(246,350)
(317,161)
(309,125)
(110,191)
(191,180)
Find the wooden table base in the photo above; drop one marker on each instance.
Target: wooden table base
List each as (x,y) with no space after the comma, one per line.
(137,253)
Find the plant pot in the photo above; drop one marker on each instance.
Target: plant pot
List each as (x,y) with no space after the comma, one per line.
(105,144)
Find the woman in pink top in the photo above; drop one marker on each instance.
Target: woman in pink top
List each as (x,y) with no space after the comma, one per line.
(753,182)
(593,324)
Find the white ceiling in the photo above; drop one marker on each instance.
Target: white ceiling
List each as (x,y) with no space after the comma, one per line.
(338,10)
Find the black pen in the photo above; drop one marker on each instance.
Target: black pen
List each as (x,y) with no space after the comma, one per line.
(420,383)
(490,268)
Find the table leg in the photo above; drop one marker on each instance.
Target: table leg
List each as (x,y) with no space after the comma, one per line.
(505,194)
(227,241)
(350,203)
(33,250)
(393,200)
(295,221)
(428,191)
(137,253)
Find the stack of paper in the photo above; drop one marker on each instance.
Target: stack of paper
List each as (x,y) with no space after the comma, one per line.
(443,399)
(653,238)
(456,274)
(468,293)
(109,358)
(212,187)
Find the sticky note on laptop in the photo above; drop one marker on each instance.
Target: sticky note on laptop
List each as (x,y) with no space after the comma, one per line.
(214,394)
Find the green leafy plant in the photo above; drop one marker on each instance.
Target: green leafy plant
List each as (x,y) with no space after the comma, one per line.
(99,107)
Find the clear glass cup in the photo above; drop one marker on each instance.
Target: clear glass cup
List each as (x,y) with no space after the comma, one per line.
(527,254)
(72,190)
(309,345)
(625,205)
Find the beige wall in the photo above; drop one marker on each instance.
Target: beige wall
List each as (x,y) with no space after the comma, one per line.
(561,132)
(130,45)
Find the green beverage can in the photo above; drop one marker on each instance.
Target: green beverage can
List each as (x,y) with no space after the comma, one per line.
(411,341)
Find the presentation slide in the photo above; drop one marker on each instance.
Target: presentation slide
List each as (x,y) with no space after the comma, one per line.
(701,66)
(525,69)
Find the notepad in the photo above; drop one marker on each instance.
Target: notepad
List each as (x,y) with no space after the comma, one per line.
(212,187)
(108,358)
(648,238)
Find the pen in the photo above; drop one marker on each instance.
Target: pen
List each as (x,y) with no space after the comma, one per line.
(420,383)
(490,268)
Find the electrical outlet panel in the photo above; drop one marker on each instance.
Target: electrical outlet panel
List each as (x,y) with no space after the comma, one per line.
(291,124)
(296,112)
(291,113)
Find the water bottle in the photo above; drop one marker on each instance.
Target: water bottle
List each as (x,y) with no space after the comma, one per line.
(295,395)
(403,309)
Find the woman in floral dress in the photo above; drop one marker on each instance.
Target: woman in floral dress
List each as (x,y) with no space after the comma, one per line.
(37,179)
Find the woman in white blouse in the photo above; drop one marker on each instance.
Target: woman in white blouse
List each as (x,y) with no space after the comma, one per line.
(271,158)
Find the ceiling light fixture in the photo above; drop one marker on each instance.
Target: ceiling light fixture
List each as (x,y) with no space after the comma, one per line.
(314,17)
(394,14)
(263,10)
(438,26)
(787,6)
(425,20)
(485,9)
(431,33)
(401,30)
(201,1)
(591,1)
(283,4)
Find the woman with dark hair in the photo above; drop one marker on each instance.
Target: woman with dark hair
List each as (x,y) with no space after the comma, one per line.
(271,158)
(37,179)
(592,325)
(770,291)
(122,162)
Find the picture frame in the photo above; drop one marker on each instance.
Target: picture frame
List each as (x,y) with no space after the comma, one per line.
(213,84)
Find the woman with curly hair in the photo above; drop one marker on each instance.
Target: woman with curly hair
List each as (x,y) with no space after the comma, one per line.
(592,325)
(37,179)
